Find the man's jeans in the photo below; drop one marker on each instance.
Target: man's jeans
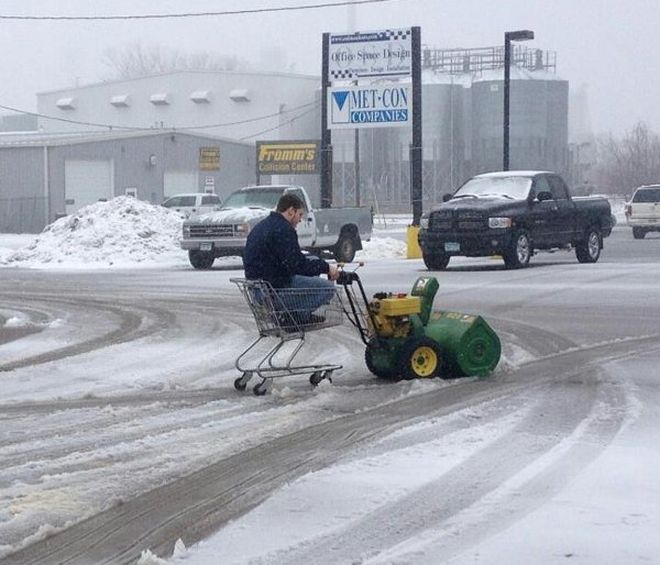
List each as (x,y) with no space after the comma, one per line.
(304,295)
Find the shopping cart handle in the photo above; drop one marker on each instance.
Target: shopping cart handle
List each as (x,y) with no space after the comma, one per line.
(347,277)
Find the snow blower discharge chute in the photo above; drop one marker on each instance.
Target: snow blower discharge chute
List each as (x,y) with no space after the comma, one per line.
(406,339)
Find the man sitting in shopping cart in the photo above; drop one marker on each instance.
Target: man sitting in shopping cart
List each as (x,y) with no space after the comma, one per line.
(272,253)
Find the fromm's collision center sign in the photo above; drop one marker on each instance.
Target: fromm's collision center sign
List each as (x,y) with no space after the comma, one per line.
(288,157)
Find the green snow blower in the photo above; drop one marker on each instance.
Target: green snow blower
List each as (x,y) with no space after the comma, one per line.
(405,339)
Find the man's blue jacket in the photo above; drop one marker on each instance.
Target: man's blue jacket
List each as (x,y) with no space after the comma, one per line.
(272,253)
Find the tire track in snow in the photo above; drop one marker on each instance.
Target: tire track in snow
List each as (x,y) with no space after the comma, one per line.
(206,511)
(557,418)
(128,329)
(195,506)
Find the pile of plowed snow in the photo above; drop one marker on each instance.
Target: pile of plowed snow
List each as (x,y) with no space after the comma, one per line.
(126,232)
(121,232)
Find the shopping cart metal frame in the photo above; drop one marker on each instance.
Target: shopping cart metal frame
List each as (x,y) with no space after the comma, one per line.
(284,315)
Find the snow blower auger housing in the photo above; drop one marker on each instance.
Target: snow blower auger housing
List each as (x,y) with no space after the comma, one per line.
(406,339)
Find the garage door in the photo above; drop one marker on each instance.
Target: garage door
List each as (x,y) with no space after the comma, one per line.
(176,182)
(86,182)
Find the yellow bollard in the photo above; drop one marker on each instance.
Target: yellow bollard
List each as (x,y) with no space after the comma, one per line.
(414,250)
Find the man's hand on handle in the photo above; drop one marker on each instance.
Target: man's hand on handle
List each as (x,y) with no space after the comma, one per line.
(333,273)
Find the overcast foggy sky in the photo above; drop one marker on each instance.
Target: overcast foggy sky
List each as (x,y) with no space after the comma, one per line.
(611,46)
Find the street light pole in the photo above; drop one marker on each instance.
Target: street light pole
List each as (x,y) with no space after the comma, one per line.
(509,36)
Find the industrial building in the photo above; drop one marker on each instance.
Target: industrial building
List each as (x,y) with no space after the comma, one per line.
(169,117)
(229,104)
(462,121)
(45,176)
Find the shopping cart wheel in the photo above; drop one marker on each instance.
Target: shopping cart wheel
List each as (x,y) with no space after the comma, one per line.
(316,377)
(241,382)
(260,389)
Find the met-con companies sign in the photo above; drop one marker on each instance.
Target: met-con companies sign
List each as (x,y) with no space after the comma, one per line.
(369,106)
(288,157)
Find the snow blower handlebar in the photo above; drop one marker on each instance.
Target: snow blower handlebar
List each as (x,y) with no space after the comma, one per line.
(357,315)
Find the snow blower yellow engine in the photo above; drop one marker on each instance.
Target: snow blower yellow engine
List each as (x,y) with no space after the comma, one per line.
(406,339)
(390,314)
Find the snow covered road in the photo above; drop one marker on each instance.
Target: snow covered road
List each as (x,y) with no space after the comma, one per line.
(120,430)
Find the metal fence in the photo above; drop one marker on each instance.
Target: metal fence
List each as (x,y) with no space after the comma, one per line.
(388,189)
(22,215)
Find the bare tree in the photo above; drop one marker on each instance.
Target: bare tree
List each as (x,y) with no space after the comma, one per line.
(135,60)
(626,163)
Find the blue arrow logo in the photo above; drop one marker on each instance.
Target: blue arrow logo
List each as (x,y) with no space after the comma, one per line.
(340,98)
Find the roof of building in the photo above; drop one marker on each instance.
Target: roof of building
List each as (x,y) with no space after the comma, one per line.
(173,73)
(39,139)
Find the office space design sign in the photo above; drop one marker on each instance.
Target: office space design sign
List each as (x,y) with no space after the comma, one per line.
(288,157)
(370,106)
(370,54)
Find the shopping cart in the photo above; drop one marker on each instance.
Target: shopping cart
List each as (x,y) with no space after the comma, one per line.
(284,316)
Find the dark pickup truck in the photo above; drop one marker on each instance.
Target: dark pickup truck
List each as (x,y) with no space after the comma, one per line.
(514,214)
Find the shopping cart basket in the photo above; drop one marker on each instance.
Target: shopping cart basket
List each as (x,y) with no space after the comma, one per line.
(285,315)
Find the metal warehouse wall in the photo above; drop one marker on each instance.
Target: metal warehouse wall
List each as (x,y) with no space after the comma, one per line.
(22,192)
(265,94)
(133,168)
(29,201)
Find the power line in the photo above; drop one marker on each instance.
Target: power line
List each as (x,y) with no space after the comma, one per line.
(78,122)
(137,128)
(199,14)
(278,125)
(265,117)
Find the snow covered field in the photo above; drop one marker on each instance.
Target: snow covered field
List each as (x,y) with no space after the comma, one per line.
(552,459)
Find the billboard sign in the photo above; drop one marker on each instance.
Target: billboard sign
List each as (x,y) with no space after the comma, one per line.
(288,157)
(370,54)
(372,106)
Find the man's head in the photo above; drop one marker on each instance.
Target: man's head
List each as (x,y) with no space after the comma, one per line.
(291,207)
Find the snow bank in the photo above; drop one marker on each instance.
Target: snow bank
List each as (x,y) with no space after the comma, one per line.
(381,248)
(121,232)
(126,232)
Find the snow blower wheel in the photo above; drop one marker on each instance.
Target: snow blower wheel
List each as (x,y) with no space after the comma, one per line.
(421,358)
(382,370)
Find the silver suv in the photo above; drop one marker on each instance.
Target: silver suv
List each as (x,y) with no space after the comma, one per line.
(643,210)
(193,203)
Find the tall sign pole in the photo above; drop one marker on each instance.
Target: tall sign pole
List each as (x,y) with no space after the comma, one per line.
(326,136)
(416,159)
(507,86)
(356,96)
(509,36)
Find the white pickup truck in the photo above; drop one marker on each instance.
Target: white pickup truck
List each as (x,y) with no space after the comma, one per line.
(339,231)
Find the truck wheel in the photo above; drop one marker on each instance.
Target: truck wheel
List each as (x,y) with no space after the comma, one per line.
(638,233)
(588,249)
(389,373)
(201,259)
(436,261)
(421,358)
(344,251)
(519,252)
